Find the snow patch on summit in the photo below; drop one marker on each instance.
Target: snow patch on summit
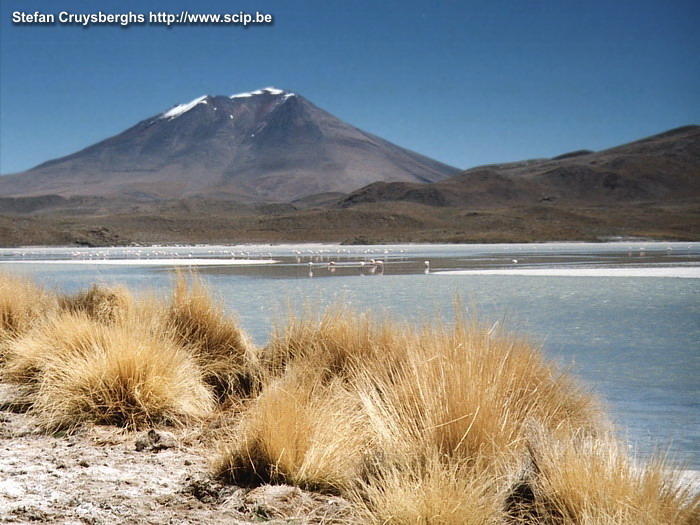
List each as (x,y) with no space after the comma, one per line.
(183,108)
(264,91)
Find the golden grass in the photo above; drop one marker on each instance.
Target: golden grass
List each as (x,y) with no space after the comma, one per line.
(594,481)
(103,356)
(22,305)
(58,339)
(302,431)
(431,491)
(428,426)
(229,361)
(129,379)
(466,390)
(308,426)
(470,392)
(443,424)
(335,341)
(121,373)
(103,304)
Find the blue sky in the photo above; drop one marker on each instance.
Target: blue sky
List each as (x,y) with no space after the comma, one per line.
(465,82)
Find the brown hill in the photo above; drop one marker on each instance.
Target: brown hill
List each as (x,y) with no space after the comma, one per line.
(664,168)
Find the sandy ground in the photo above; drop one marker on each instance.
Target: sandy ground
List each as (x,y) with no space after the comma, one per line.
(103,475)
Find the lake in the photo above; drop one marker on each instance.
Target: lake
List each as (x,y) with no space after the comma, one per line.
(623,316)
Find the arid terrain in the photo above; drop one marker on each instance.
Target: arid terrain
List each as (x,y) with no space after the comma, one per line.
(185,222)
(648,189)
(106,475)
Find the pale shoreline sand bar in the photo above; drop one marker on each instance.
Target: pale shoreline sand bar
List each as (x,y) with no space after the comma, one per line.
(692,272)
(151,262)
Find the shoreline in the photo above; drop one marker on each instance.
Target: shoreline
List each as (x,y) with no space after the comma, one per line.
(601,242)
(635,271)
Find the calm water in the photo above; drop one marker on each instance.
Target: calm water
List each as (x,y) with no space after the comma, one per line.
(624,316)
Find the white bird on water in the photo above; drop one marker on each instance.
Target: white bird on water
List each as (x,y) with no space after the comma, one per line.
(372,266)
(380,266)
(427,266)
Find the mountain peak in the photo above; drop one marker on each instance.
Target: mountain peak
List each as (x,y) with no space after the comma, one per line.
(265,145)
(181,109)
(264,91)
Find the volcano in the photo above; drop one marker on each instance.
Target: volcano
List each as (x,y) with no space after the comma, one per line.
(267,145)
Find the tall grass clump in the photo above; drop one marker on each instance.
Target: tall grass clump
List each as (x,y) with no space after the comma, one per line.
(80,370)
(594,481)
(103,304)
(23,304)
(301,430)
(229,361)
(451,421)
(308,426)
(430,490)
(433,423)
(335,343)
(61,337)
(472,392)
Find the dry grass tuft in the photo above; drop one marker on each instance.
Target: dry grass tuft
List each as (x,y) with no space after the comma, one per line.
(469,392)
(102,304)
(451,420)
(300,430)
(594,481)
(22,305)
(58,339)
(229,361)
(308,426)
(123,373)
(338,344)
(431,490)
(429,426)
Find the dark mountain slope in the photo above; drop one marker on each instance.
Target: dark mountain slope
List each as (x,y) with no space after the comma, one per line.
(267,145)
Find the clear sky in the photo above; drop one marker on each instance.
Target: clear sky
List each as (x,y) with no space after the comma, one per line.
(467,82)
